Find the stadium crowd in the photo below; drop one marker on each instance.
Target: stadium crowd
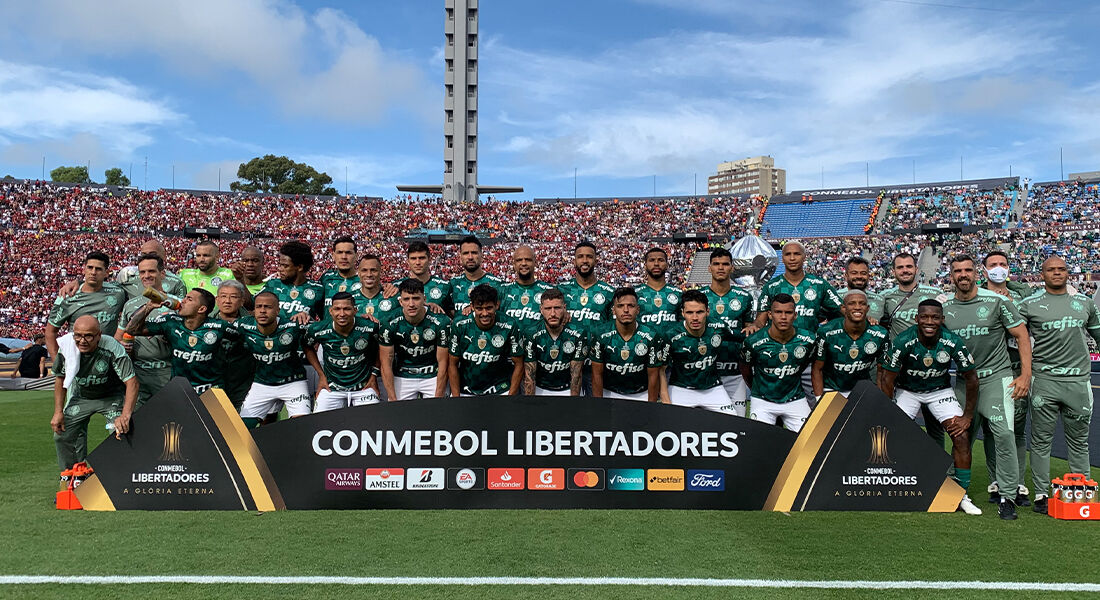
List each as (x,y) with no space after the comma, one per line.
(1063,202)
(972,207)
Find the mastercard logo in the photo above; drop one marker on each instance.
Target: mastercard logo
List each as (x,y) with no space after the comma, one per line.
(586,479)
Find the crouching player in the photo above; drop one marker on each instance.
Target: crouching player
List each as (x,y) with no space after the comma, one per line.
(772,363)
(693,347)
(847,349)
(349,355)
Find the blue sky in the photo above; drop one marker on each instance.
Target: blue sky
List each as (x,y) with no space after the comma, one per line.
(620,91)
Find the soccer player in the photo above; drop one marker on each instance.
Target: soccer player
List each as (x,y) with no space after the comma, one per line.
(151,355)
(343,276)
(370,300)
(522,297)
(299,298)
(96,297)
(346,366)
(916,372)
(772,362)
(554,352)
(693,346)
(857,274)
(486,353)
(206,274)
(103,383)
(587,299)
(195,339)
(412,348)
(469,253)
(275,344)
(983,319)
(627,357)
(847,349)
(250,269)
(658,303)
(736,307)
(437,290)
(130,277)
(239,367)
(1059,322)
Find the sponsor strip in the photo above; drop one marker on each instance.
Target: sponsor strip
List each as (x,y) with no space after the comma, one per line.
(841,584)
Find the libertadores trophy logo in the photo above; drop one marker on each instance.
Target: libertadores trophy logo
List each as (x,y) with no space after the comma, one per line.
(879,454)
(172,436)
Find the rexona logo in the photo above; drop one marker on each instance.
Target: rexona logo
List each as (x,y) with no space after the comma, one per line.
(665,480)
(465,479)
(546,479)
(424,479)
(585,479)
(343,479)
(505,479)
(701,480)
(385,480)
(631,480)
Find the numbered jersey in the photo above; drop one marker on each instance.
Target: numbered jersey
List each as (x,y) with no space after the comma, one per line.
(625,360)
(414,346)
(334,283)
(484,355)
(346,360)
(983,323)
(277,356)
(1059,323)
(293,299)
(197,354)
(553,356)
(520,305)
(926,369)
(693,361)
(737,308)
(461,286)
(777,366)
(848,360)
(105,305)
(658,308)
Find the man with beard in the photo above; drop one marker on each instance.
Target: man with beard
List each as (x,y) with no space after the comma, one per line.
(627,357)
(343,276)
(437,291)
(127,277)
(299,298)
(772,363)
(412,348)
(588,301)
(207,274)
(658,303)
(847,349)
(195,339)
(736,307)
(983,319)
(469,255)
(151,355)
(486,353)
(554,352)
(346,365)
(1059,322)
(857,274)
(693,346)
(370,299)
(522,297)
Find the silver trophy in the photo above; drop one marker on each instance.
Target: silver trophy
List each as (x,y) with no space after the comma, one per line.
(754,261)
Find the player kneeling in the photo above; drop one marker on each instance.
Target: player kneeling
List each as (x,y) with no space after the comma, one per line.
(693,347)
(772,363)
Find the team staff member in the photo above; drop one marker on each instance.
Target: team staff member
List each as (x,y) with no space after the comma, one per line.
(349,356)
(195,339)
(152,357)
(342,277)
(983,319)
(1059,322)
(32,363)
(857,274)
(101,381)
(917,372)
(206,274)
(693,346)
(469,255)
(847,349)
(299,298)
(522,298)
(658,302)
(554,352)
(238,367)
(772,363)
(413,348)
(486,353)
(627,357)
(737,307)
(96,297)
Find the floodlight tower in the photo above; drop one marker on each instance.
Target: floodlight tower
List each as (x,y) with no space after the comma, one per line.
(460,109)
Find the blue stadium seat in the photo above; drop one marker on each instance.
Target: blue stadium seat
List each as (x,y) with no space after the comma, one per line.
(817,219)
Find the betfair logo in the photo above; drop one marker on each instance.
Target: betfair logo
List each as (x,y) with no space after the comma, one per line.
(665,480)
(879,453)
(171,448)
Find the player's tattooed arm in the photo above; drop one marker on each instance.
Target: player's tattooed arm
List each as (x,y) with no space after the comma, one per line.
(136,327)
(529,378)
(575,377)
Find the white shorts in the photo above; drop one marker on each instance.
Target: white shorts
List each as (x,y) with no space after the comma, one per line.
(793,413)
(411,388)
(262,398)
(941,403)
(543,392)
(714,399)
(330,400)
(738,393)
(640,396)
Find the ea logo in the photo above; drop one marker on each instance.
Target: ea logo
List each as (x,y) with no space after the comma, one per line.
(1084,511)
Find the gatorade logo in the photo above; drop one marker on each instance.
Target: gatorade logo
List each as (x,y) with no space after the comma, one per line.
(585,479)
(1084,511)
(505,479)
(665,480)
(546,479)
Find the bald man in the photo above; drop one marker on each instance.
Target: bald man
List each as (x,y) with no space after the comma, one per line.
(249,270)
(521,298)
(103,383)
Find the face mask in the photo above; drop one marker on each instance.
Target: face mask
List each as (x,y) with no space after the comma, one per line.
(997,274)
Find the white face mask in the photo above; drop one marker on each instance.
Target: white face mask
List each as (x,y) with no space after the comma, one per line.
(997,274)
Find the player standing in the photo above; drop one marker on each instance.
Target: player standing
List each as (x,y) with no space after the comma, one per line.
(343,276)
(857,274)
(554,352)
(437,290)
(522,297)
(412,348)
(207,274)
(847,349)
(296,293)
(346,366)
(96,297)
(250,267)
(486,353)
(627,357)
(469,254)
(772,363)
(736,307)
(658,303)
(370,300)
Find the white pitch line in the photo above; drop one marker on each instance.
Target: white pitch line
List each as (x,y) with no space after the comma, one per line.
(494,581)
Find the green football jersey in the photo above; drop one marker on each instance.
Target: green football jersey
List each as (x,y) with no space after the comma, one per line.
(239,367)
(983,322)
(876,304)
(414,346)
(923,369)
(552,356)
(814,298)
(1015,294)
(172,285)
(903,306)
(625,360)
(485,356)
(847,360)
(656,308)
(149,352)
(105,305)
(693,361)
(436,291)
(379,307)
(520,305)
(194,278)
(777,367)
(346,360)
(589,308)
(101,373)
(293,299)
(197,354)
(334,283)
(460,287)
(1059,323)
(737,308)
(278,356)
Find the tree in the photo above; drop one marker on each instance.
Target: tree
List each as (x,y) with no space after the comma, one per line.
(70,175)
(281,175)
(115,177)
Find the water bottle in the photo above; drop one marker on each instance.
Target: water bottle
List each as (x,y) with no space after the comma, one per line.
(160,297)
